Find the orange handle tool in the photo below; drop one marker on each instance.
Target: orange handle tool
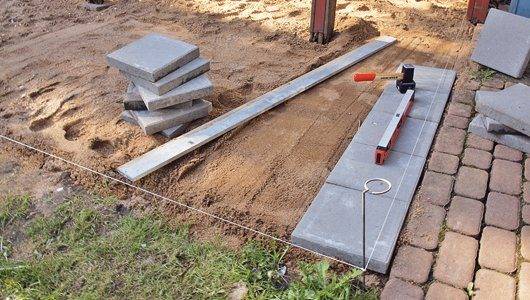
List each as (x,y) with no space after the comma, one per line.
(371,76)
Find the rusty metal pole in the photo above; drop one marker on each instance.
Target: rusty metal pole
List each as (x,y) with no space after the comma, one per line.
(322,20)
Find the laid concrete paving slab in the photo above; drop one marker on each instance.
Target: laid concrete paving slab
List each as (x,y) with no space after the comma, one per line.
(510,107)
(162,119)
(432,79)
(516,141)
(357,165)
(167,153)
(332,225)
(504,43)
(132,99)
(428,105)
(174,79)
(415,134)
(153,56)
(196,88)
(172,132)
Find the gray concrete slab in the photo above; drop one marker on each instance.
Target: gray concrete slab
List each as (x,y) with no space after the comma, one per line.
(153,56)
(357,165)
(504,43)
(428,105)
(196,88)
(510,107)
(201,135)
(415,134)
(332,226)
(516,141)
(174,79)
(432,79)
(498,127)
(132,99)
(158,120)
(172,132)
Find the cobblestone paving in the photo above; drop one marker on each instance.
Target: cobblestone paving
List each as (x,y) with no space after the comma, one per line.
(468,230)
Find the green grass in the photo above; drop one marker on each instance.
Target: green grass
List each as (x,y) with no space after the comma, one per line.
(86,250)
(483,74)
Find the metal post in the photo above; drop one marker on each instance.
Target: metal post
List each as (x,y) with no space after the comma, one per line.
(363,211)
(322,20)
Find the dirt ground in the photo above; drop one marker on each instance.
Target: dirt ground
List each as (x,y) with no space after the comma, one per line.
(58,94)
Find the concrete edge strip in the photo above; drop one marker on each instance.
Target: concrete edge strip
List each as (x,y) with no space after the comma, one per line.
(165,154)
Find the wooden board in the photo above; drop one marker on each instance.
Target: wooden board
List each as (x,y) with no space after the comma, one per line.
(172,150)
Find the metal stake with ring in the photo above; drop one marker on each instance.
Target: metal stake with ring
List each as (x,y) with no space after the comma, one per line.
(363,206)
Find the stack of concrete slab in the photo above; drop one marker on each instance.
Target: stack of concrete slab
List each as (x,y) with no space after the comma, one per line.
(504,43)
(504,116)
(167,83)
(332,224)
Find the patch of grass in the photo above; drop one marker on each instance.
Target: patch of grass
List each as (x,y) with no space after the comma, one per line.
(87,250)
(483,74)
(13,208)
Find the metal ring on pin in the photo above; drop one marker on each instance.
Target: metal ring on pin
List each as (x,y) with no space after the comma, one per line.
(363,211)
(367,189)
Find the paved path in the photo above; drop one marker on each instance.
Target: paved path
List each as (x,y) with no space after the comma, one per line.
(468,229)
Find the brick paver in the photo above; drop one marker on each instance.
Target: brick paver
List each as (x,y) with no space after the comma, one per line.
(456,121)
(471,183)
(465,215)
(498,250)
(524,282)
(423,227)
(450,140)
(456,260)
(526,214)
(526,192)
(506,177)
(460,109)
(443,163)
(495,83)
(477,158)
(493,285)
(466,97)
(502,211)
(436,188)
(412,264)
(525,242)
(475,141)
(440,291)
(507,153)
(398,289)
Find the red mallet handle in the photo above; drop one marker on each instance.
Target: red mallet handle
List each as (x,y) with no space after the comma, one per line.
(364,77)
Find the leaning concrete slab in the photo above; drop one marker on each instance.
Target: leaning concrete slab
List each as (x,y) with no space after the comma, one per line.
(510,107)
(504,43)
(201,135)
(332,225)
(516,141)
(158,120)
(132,99)
(174,79)
(498,127)
(357,165)
(415,134)
(153,56)
(172,132)
(194,89)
